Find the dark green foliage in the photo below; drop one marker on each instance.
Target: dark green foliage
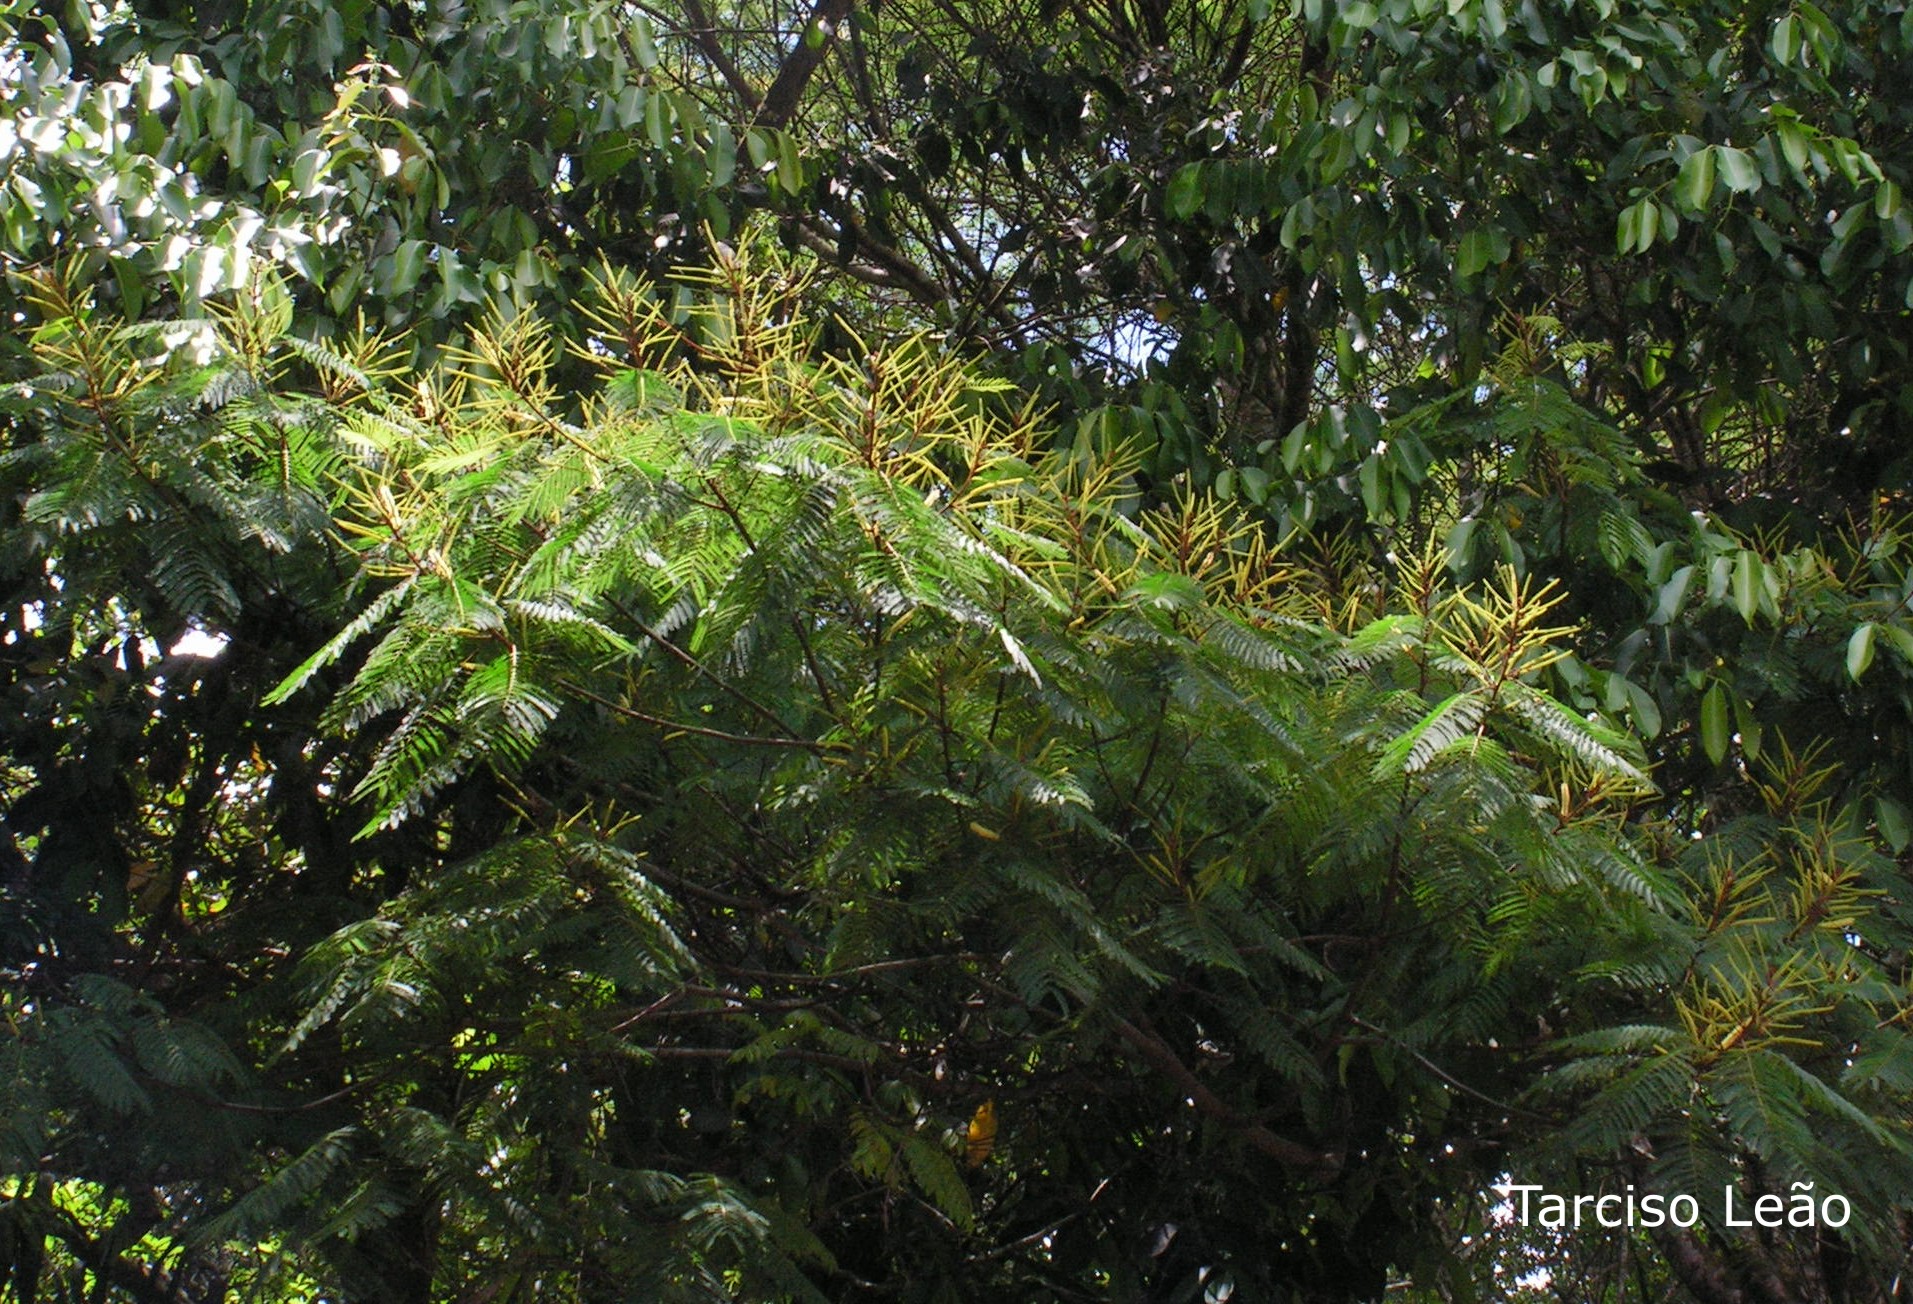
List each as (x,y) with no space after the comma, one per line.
(765,759)
(796,767)
(872,689)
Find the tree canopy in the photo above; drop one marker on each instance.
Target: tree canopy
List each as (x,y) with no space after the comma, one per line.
(940,651)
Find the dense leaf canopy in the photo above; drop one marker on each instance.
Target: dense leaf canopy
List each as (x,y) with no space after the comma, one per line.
(949,651)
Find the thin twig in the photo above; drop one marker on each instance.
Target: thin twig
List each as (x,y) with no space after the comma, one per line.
(679,726)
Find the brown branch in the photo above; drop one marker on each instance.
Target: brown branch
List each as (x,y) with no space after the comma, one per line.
(724,1054)
(704,33)
(1436,1069)
(780,101)
(886,267)
(840,976)
(1290,1154)
(680,726)
(1697,1270)
(685,658)
(148,1285)
(241,1107)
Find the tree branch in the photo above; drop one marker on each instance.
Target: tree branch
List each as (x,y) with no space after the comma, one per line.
(704,34)
(1290,1154)
(887,267)
(1697,1270)
(681,726)
(780,101)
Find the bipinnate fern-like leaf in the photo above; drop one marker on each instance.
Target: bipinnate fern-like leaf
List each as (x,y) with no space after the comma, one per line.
(1593,743)
(272,1203)
(763,753)
(1629,1103)
(1450,720)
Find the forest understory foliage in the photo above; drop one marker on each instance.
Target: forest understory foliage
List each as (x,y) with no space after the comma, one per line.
(1082,653)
